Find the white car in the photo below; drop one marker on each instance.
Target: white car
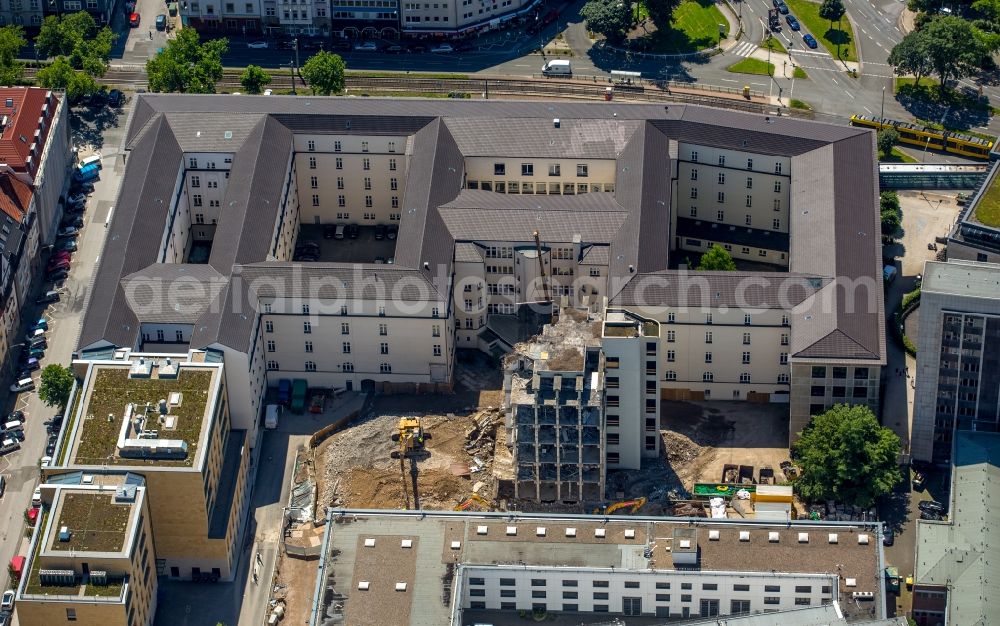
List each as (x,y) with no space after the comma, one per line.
(46,461)
(36,497)
(366,46)
(7,603)
(442,49)
(257,45)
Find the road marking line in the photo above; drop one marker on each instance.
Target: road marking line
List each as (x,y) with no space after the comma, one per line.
(729,80)
(849,93)
(870,112)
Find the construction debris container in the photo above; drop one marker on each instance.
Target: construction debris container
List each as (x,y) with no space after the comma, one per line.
(299,387)
(609,93)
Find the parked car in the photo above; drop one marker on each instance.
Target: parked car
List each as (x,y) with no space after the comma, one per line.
(352,231)
(931,515)
(161,22)
(931,505)
(47,297)
(56,265)
(29,363)
(7,603)
(77,198)
(16,415)
(46,461)
(36,497)
(257,45)
(311,44)
(57,275)
(366,46)
(66,245)
(781,6)
(810,40)
(39,342)
(68,231)
(391,231)
(116,98)
(918,481)
(329,231)
(888,537)
(443,48)
(394,49)
(50,447)
(72,220)
(38,353)
(41,324)
(380,231)
(25,384)
(60,255)
(85,187)
(342,44)
(133,20)
(792,22)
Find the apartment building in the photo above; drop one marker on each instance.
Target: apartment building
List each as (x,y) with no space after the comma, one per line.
(958,371)
(458,17)
(970,238)
(18,253)
(91,558)
(462,568)
(232,17)
(952,585)
(165,418)
(502,209)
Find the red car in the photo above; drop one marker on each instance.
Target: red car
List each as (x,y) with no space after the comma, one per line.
(61,264)
(133,20)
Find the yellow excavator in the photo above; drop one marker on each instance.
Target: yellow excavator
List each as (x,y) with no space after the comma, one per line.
(411,438)
(635,505)
(474,498)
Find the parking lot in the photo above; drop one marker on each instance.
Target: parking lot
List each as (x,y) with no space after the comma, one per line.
(364,249)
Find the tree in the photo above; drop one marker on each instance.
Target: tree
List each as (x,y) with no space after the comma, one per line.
(324,73)
(11,41)
(886,139)
(717,259)
(909,56)
(56,385)
(661,12)
(254,79)
(77,37)
(891,214)
(952,47)
(60,75)
(846,456)
(833,11)
(611,18)
(187,66)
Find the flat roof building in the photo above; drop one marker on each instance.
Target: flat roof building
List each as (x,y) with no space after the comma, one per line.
(439,568)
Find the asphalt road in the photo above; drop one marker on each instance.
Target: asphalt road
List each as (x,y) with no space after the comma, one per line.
(20,468)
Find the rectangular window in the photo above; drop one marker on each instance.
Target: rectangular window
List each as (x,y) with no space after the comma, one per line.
(554,169)
(721,197)
(749,182)
(581,170)
(527,169)
(722,178)
(694,174)
(339,163)
(312,163)
(772,600)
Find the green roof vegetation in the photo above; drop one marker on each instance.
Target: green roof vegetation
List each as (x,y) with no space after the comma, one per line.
(988,207)
(96,523)
(34,584)
(112,390)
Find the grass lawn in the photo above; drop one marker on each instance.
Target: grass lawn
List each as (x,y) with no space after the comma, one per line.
(929,90)
(808,14)
(798,104)
(775,45)
(751,65)
(695,27)
(799,73)
(897,156)
(988,209)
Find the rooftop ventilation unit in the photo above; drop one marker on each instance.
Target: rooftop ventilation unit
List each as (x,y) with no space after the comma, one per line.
(176,397)
(863,595)
(571,532)
(64,534)
(863,539)
(482,530)
(168,369)
(61,577)
(140,369)
(540,531)
(600,533)
(511,531)
(850,582)
(803,537)
(456,545)
(773,537)
(630,534)
(125,493)
(98,577)
(363,585)
(406,543)
(744,535)
(370,542)
(713,535)
(832,537)
(400,586)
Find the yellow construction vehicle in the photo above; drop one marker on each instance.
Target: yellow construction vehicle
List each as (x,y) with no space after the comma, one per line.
(411,439)
(635,505)
(465,504)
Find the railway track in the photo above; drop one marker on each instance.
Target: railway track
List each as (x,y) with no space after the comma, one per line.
(134,77)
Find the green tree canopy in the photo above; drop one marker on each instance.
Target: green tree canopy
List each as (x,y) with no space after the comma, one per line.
(611,18)
(186,65)
(11,41)
(77,37)
(953,47)
(909,57)
(717,259)
(661,11)
(56,385)
(324,73)
(886,139)
(254,78)
(60,75)
(891,215)
(846,456)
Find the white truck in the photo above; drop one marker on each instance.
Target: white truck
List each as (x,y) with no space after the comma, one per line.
(557,67)
(271,415)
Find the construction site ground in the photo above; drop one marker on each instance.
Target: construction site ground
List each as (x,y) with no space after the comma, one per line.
(699,438)
(354,466)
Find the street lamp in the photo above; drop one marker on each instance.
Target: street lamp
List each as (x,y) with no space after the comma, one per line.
(881,115)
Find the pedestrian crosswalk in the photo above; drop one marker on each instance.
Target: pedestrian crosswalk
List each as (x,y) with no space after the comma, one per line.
(744,49)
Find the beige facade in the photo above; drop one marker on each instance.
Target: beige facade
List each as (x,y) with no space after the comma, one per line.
(540,176)
(196,500)
(92,555)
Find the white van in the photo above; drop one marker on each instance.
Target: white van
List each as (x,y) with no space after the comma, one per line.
(94,158)
(557,67)
(14,425)
(272,415)
(9,445)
